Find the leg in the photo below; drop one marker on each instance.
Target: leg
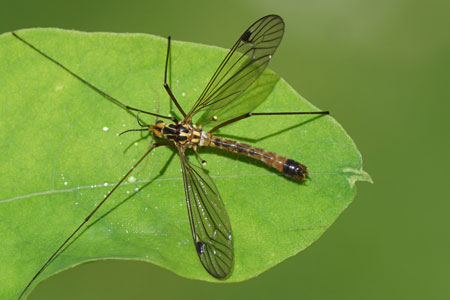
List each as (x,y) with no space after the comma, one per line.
(166,85)
(130,130)
(202,161)
(91,214)
(247,115)
(87,83)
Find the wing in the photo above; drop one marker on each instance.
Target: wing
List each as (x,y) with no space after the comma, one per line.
(244,63)
(210,224)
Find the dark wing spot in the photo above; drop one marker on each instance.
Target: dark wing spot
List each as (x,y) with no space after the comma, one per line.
(200,247)
(246,36)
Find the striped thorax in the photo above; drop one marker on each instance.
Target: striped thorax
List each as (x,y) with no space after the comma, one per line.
(186,134)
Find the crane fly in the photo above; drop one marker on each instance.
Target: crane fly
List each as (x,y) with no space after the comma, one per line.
(209,221)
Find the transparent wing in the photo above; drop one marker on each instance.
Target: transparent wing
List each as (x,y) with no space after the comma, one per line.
(244,63)
(210,224)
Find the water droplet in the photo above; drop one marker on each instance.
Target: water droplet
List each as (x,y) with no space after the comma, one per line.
(105,129)
(65,182)
(105,184)
(131,179)
(76,203)
(183,94)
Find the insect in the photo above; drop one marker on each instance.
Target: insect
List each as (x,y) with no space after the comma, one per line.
(209,221)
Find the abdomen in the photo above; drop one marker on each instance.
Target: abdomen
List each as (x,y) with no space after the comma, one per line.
(288,167)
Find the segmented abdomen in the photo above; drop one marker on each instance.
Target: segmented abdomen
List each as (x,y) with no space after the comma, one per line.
(288,167)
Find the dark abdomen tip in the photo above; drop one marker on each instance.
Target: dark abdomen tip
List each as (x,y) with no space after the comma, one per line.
(294,170)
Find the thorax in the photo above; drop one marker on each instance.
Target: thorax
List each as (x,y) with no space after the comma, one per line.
(187,135)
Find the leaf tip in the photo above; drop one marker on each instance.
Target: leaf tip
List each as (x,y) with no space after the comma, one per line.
(353,175)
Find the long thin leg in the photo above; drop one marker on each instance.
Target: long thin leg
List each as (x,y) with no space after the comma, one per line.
(130,130)
(91,214)
(166,85)
(89,84)
(247,115)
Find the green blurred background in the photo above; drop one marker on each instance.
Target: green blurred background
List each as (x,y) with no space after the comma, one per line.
(382,69)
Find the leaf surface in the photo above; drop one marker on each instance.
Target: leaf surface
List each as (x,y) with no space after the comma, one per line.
(60,153)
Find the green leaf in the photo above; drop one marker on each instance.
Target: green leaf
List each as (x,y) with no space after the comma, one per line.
(61,153)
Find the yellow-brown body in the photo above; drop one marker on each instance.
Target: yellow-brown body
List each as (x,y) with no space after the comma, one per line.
(191,136)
